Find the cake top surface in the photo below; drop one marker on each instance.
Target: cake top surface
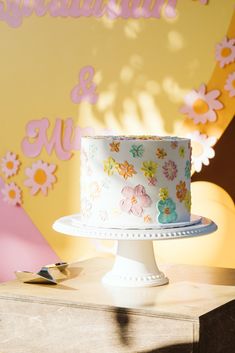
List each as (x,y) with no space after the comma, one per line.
(138,137)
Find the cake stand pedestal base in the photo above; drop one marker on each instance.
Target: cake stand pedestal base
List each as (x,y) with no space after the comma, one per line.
(135,266)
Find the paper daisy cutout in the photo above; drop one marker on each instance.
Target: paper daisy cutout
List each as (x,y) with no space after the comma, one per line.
(202,149)
(12,194)
(10,164)
(40,177)
(225,51)
(230,84)
(201,105)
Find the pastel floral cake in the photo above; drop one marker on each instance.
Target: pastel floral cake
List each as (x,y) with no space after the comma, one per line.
(135,181)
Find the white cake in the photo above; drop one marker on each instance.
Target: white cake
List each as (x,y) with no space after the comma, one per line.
(135,181)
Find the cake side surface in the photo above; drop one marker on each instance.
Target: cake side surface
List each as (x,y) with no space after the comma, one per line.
(135,181)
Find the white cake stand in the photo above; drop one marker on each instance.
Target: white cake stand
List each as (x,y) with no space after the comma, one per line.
(135,264)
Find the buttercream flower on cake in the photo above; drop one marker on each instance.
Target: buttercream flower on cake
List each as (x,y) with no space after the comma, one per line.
(163,193)
(181,191)
(110,166)
(187,201)
(181,151)
(187,169)
(137,150)
(202,149)
(135,200)
(174,144)
(12,194)
(230,84)
(161,153)
(152,181)
(170,170)
(40,177)
(225,52)
(126,170)
(10,164)
(201,106)
(149,168)
(167,213)
(114,146)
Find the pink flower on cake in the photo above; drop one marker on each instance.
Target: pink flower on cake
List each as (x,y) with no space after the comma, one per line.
(40,177)
(135,200)
(170,170)
(202,149)
(152,181)
(225,51)
(10,164)
(230,84)
(12,194)
(201,105)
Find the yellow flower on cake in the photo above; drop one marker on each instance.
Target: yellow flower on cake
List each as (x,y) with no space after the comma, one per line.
(187,201)
(110,166)
(126,170)
(181,151)
(163,193)
(40,177)
(149,168)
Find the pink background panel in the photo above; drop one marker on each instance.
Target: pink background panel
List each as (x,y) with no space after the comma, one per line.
(22,246)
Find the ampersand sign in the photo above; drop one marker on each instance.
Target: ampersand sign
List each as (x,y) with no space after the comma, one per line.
(85,89)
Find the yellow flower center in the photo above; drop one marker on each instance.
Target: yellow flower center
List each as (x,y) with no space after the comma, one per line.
(226,52)
(10,165)
(133,200)
(12,194)
(200,106)
(40,177)
(197,149)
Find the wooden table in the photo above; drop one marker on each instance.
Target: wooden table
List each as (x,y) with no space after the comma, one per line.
(194,313)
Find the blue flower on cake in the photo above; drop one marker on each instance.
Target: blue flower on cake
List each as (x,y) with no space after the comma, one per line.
(137,150)
(167,211)
(187,170)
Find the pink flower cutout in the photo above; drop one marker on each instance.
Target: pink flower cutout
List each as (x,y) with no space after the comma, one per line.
(12,194)
(40,177)
(230,84)
(225,51)
(201,105)
(10,164)
(135,200)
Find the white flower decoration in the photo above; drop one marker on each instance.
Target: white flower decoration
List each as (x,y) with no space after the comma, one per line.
(12,194)
(10,164)
(225,51)
(202,149)
(230,84)
(200,106)
(40,177)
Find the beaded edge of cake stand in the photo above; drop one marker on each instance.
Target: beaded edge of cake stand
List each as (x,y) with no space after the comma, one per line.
(67,226)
